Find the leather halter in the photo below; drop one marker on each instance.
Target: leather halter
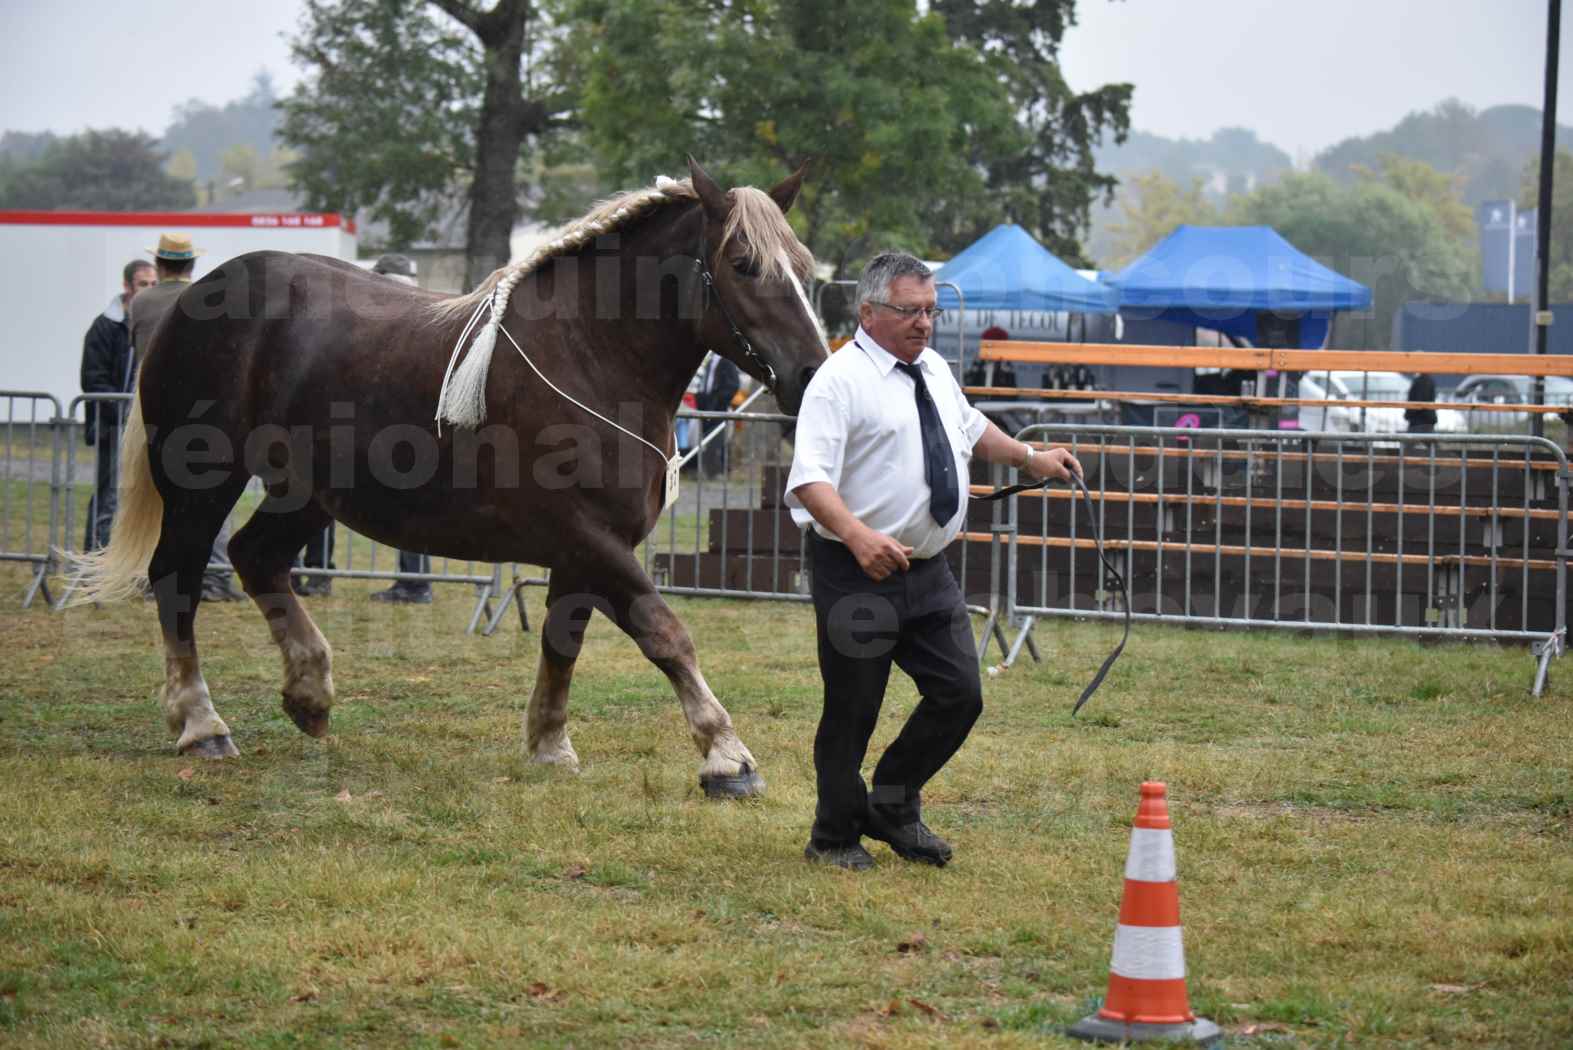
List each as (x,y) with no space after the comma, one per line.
(765,373)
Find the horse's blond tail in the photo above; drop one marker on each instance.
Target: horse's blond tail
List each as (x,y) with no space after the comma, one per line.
(119,571)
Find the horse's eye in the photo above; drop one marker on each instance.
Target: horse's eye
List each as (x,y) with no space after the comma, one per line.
(744,268)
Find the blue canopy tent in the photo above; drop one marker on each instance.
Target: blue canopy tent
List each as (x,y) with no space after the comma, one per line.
(1007,269)
(1223,277)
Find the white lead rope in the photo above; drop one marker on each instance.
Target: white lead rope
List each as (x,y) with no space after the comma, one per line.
(673,464)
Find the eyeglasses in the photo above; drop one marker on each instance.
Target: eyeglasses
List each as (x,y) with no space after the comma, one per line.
(911,313)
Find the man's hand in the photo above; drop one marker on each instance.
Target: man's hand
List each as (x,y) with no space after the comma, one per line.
(1056,464)
(878,555)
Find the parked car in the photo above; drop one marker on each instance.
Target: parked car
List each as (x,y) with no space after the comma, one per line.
(1506,390)
(1362,386)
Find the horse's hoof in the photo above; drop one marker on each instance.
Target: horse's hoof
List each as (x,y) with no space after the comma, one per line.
(308,720)
(212,747)
(747,784)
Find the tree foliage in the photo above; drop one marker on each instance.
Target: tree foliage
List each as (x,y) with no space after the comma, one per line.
(206,132)
(410,106)
(919,139)
(1152,206)
(1561,244)
(1044,174)
(109,170)
(385,119)
(1486,149)
(1373,231)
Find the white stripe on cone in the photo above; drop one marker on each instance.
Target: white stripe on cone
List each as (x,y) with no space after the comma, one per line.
(1148,953)
(1151,858)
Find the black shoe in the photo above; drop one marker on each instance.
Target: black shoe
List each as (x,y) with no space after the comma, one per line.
(852,858)
(910,841)
(403,596)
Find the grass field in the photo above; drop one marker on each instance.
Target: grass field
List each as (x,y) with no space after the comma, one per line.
(1375,845)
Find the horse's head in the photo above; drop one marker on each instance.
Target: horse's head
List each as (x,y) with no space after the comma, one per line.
(759,272)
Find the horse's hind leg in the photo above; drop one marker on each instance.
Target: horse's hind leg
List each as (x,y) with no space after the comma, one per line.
(622,591)
(262,554)
(191,522)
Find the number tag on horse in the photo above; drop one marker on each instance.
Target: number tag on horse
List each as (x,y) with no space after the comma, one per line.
(673,465)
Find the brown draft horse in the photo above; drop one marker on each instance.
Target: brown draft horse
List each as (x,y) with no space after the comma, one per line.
(322,379)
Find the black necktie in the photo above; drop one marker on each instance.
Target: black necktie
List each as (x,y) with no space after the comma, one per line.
(939,465)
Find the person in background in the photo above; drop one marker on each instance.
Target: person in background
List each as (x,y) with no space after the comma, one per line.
(174,259)
(719,383)
(109,367)
(1421,420)
(401,268)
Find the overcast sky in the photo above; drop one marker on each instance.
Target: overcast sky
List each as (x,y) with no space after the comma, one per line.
(1302,73)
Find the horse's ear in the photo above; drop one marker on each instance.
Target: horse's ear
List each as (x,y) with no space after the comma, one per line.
(785,192)
(710,195)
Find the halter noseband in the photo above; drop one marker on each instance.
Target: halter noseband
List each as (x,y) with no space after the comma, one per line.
(766,373)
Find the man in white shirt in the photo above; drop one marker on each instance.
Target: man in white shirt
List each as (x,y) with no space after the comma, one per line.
(879,471)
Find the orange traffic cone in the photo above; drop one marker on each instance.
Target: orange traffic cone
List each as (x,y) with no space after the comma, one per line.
(1147,998)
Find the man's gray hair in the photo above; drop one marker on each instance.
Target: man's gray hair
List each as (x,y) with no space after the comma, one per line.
(883,269)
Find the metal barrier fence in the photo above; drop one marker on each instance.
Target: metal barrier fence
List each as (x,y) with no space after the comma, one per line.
(29,485)
(1460,536)
(730,533)
(1425,535)
(45,461)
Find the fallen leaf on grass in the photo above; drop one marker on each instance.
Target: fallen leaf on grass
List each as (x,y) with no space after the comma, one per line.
(932,1011)
(1452,989)
(343,796)
(187,773)
(304,996)
(1264,1027)
(502,780)
(577,871)
(913,942)
(891,1009)
(538,990)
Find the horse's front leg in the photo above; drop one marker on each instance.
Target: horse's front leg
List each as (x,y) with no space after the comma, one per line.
(728,769)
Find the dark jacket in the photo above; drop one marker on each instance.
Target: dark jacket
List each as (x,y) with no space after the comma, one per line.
(107,365)
(1422,389)
(723,385)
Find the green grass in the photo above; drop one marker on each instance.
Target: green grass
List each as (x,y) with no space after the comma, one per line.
(1375,845)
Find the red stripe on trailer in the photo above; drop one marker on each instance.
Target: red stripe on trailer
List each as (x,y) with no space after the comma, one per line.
(256,220)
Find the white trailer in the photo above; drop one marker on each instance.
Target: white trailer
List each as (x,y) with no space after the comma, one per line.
(59,269)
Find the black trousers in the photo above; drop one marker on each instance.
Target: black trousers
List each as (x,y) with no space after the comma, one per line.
(101,507)
(916,620)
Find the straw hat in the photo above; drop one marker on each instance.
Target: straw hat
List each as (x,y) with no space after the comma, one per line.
(176,247)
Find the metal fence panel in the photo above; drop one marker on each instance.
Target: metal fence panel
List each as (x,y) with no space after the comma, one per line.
(29,467)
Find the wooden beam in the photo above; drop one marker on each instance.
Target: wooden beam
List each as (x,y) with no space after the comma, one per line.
(1149,397)
(1202,499)
(1285,553)
(1259,359)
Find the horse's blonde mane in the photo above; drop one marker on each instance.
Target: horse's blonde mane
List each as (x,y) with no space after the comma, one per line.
(755,219)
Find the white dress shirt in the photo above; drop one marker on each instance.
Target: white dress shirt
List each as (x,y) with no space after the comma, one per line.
(858,430)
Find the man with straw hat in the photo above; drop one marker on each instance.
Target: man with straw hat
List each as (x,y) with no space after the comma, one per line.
(175,257)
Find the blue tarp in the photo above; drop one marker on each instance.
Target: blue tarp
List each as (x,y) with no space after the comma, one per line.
(1007,269)
(1220,276)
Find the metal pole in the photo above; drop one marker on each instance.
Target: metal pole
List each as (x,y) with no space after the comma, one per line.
(1548,155)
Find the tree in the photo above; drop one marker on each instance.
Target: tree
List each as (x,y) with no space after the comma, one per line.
(877,96)
(1370,231)
(906,126)
(206,132)
(408,105)
(1152,207)
(1044,176)
(110,170)
(1560,262)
